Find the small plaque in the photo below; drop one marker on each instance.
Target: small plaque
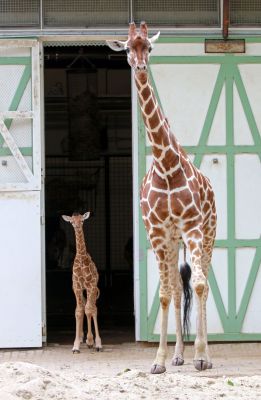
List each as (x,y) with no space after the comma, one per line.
(224,46)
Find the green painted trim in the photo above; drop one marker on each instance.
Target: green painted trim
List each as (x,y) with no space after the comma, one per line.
(26,76)
(25,151)
(154,88)
(220,60)
(232,243)
(142,236)
(218,299)
(15,60)
(247,109)
(256,39)
(230,197)
(219,149)
(187,60)
(237,243)
(210,114)
(188,40)
(248,289)
(153,313)
(201,39)
(218,337)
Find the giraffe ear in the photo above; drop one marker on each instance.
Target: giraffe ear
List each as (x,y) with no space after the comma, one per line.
(86,215)
(154,38)
(66,218)
(116,45)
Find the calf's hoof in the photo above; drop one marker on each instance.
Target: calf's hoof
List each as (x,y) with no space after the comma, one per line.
(177,361)
(157,369)
(201,365)
(76,351)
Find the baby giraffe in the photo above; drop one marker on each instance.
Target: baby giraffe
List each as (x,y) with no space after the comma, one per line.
(85,277)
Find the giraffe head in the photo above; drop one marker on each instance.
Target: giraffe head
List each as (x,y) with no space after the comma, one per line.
(138,47)
(76,219)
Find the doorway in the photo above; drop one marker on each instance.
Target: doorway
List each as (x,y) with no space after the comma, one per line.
(88,159)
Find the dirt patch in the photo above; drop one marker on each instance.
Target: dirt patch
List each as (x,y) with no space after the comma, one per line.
(122,373)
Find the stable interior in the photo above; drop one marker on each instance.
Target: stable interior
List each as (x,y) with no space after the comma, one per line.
(88,167)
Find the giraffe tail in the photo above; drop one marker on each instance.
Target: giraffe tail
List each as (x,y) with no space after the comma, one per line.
(185,272)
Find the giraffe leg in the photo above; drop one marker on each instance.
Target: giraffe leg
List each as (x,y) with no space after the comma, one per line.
(98,343)
(82,321)
(158,366)
(89,339)
(91,312)
(199,283)
(79,314)
(206,259)
(176,284)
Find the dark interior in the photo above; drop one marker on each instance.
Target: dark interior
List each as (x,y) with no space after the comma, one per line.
(88,147)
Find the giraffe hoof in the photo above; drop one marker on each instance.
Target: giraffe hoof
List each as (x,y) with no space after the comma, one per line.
(201,365)
(210,365)
(157,369)
(76,351)
(90,346)
(99,349)
(177,361)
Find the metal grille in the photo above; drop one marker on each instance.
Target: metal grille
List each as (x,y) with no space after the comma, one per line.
(85,14)
(19,13)
(245,12)
(177,12)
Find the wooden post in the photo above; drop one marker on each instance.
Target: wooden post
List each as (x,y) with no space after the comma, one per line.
(225,18)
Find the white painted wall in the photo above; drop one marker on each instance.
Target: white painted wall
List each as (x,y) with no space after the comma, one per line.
(20,271)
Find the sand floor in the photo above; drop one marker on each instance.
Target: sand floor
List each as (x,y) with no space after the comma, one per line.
(122,372)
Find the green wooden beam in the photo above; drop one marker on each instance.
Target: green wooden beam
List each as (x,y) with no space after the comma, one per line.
(218,337)
(220,60)
(26,151)
(15,60)
(17,97)
(218,300)
(142,235)
(247,109)
(210,115)
(248,290)
(240,149)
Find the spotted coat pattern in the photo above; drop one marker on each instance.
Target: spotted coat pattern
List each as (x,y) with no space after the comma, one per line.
(177,202)
(84,278)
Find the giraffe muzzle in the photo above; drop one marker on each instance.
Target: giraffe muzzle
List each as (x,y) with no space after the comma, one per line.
(141,67)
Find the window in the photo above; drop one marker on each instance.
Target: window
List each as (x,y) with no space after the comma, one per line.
(245,12)
(19,13)
(177,12)
(85,14)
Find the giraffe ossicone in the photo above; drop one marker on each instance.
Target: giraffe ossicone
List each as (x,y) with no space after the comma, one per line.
(84,278)
(177,203)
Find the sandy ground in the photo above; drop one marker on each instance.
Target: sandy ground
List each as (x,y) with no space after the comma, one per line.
(122,372)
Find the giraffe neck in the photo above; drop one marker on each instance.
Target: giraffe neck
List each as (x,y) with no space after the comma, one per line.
(165,147)
(80,242)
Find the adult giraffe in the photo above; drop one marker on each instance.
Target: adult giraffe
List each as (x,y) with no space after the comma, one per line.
(177,201)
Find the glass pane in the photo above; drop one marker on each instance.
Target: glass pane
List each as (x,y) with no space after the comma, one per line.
(19,13)
(245,12)
(177,12)
(85,14)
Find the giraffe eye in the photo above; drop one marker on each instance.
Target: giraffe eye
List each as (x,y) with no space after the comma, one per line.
(127,50)
(149,49)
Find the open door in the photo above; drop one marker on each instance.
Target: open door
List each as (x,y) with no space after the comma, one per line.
(20,186)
